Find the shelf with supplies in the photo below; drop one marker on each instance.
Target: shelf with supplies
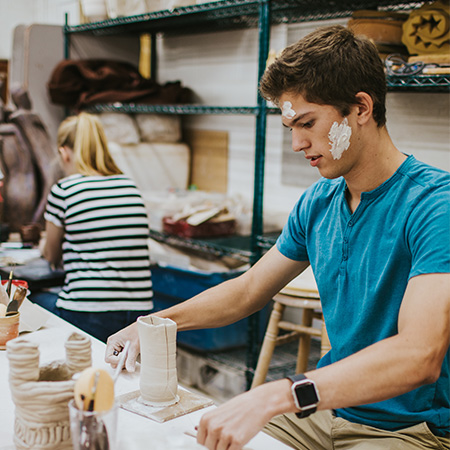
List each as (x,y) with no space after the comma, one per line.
(237,247)
(232,14)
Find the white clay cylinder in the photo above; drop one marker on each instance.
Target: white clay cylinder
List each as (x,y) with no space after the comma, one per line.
(158,382)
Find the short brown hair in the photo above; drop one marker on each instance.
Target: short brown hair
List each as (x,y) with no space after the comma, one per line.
(329,66)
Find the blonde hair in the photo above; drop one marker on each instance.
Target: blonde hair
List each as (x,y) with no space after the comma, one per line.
(85,136)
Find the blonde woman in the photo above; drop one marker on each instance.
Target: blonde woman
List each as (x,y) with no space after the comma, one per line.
(97,226)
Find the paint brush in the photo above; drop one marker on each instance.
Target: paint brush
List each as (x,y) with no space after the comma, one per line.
(9,284)
(94,392)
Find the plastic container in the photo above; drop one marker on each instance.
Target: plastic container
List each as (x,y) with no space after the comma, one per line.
(16,283)
(206,229)
(172,285)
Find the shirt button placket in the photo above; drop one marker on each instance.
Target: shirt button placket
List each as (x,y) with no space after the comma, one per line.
(345,241)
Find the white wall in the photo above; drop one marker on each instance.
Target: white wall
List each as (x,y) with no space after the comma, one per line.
(26,12)
(222,70)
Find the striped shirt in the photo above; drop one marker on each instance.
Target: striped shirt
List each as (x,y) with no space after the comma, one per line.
(105,245)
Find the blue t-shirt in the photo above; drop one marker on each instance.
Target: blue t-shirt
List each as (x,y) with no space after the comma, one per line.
(362,263)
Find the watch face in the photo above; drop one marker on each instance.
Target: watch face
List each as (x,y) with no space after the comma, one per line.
(306,394)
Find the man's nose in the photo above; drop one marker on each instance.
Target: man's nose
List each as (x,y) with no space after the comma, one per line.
(299,141)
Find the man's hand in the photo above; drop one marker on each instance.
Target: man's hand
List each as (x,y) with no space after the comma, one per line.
(116,343)
(233,424)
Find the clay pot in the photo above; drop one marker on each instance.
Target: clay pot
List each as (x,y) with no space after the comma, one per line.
(41,393)
(158,381)
(9,329)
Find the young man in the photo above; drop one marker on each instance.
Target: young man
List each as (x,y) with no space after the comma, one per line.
(376,231)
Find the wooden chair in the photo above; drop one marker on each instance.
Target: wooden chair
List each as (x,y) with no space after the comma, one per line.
(302,332)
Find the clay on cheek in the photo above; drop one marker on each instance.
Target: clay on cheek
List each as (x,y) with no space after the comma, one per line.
(287,111)
(339,136)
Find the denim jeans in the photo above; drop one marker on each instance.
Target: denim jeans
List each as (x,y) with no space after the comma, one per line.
(98,324)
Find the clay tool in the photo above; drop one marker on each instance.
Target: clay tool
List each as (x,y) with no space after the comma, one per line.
(123,356)
(94,394)
(4,299)
(16,302)
(99,393)
(194,435)
(90,437)
(94,391)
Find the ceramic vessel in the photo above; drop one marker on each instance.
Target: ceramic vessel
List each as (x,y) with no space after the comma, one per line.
(158,383)
(41,393)
(9,329)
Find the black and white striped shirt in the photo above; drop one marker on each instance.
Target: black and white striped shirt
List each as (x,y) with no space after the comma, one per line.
(105,246)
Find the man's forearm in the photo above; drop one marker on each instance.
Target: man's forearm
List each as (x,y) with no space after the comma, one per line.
(384,370)
(216,307)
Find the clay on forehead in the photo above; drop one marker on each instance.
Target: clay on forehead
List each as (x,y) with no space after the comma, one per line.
(287,111)
(339,136)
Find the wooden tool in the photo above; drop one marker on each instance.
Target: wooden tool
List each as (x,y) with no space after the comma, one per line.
(121,363)
(94,390)
(14,305)
(4,299)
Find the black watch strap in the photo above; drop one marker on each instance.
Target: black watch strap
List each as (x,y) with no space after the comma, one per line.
(310,410)
(297,377)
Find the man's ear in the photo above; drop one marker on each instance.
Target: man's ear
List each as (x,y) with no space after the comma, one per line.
(364,107)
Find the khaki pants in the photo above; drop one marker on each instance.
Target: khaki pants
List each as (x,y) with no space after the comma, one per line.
(324,431)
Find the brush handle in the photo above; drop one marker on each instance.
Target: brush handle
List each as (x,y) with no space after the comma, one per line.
(9,284)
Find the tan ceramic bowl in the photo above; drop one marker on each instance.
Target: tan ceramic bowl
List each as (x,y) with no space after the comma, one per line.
(9,329)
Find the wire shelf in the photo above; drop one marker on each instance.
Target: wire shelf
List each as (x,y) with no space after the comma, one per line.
(171,109)
(224,14)
(237,247)
(267,241)
(231,14)
(417,83)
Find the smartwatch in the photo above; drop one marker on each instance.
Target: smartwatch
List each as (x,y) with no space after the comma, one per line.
(305,395)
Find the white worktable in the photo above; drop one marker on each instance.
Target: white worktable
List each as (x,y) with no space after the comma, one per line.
(135,432)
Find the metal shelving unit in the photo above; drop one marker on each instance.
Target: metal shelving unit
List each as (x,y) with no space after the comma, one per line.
(235,14)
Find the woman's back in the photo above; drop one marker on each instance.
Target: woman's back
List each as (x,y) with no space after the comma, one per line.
(105,245)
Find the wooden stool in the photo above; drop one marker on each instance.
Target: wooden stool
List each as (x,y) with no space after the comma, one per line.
(311,309)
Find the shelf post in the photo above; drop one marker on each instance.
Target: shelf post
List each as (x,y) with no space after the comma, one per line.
(66,49)
(153,58)
(260,150)
(66,36)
